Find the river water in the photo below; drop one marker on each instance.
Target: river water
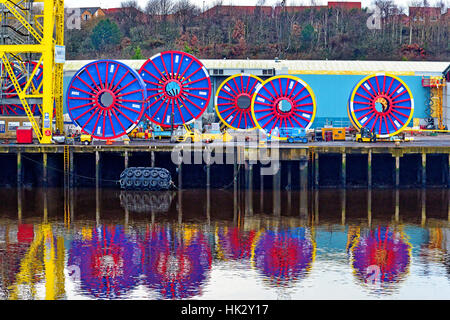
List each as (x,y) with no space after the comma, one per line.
(225,244)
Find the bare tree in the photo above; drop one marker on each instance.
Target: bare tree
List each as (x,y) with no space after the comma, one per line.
(159,7)
(185,11)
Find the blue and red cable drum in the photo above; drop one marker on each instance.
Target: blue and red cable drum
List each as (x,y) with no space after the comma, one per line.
(106,99)
(233,101)
(381,102)
(21,72)
(283,102)
(178,88)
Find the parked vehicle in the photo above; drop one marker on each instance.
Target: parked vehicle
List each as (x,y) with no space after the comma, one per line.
(85,139)
(294,135)
(194,135)
(365,135)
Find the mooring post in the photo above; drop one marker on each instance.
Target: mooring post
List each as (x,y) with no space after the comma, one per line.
(316,170)
(448,204)
(316,207)
(152,155)
(289,187)
(369,169)
(208,205)
(397,171)
(277,192)
(97,169)
(261,191)
(424,170)
(19,169)
(45,205)
(126,159)
(424,207)
(71,169)
(448,172)
(180,206)
(180,176)
(97,206)
(72,204)
(44,169)
(303,169)
(208,176)
(397,205)
(369,207)
(19,204)
(343,205)
(344,170)
(249,187)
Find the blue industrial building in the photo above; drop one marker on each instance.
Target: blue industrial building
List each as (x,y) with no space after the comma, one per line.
(331,81)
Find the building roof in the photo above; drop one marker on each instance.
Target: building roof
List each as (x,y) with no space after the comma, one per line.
(344,5)
(92,10)
(308,66)
(425,11)
(269,10)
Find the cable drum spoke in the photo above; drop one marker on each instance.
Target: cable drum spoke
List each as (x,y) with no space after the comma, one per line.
(106,99)
(35,88)
(233,101)
(180,87)
(283,102)
(389,101)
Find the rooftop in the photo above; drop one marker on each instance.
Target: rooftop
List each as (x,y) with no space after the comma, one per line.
(307,66)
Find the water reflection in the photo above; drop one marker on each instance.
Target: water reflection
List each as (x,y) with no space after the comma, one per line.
(380,256)
(177,260)
(234,243)
(104,244)
(284,256)
(107,260)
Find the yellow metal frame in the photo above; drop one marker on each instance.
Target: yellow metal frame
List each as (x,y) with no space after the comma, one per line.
(436,90)
(46,36)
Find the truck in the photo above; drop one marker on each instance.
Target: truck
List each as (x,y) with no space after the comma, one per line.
(294,135)
(159,133)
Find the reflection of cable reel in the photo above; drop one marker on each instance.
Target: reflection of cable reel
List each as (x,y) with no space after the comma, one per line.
(145,202)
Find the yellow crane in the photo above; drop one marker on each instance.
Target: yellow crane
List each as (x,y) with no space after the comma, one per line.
(436,85)
(36,33)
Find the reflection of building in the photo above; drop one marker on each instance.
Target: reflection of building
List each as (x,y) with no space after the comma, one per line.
(284,256)
(381,255)
(33,256)
(14,245)
(109,263)
(176,261)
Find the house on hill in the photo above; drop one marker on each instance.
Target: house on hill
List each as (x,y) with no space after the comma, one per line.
(88,13)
